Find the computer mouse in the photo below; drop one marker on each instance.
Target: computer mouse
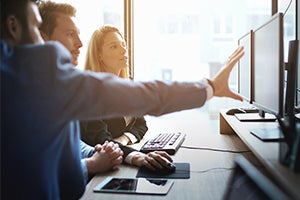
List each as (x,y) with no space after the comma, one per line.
(169,169)
(235,111)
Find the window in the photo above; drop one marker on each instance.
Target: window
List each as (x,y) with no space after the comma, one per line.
(289,22)
(223,27)
(188,40)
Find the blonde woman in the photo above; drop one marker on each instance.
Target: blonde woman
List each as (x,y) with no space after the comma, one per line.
(107,52)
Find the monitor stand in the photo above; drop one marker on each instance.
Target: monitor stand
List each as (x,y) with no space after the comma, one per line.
(255,117)
(269,134)
(266,134)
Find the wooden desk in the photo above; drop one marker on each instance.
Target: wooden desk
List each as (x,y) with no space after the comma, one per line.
(210,170)
(266,152)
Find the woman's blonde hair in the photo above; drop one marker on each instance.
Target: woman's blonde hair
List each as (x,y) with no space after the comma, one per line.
(92,61)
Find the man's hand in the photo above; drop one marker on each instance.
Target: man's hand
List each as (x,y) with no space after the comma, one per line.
(220,80)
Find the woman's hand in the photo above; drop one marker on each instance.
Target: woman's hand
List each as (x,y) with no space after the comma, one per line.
(153,160)
(107,157)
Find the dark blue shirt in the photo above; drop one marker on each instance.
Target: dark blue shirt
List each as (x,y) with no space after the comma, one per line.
(40,154)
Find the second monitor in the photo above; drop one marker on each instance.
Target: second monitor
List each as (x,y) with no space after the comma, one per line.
(245,68)
(261,75)
(268,74)
(268,63)
(261,70)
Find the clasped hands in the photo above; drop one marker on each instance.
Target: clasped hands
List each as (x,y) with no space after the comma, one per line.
(106,157)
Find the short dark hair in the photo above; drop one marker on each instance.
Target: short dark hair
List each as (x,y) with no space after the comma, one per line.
(49,10)
(17,8)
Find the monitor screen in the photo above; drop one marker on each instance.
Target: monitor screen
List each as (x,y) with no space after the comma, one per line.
(245,69)
(298,38)
(269,66)
(298,81)
(298,85)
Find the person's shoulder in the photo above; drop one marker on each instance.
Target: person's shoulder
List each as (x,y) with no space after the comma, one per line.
(52,53)
(57,51)
(51,47)
(54,47)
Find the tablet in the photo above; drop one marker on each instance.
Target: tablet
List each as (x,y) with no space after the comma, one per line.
(135,185)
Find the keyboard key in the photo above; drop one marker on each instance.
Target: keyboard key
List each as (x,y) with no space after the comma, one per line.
(169,142)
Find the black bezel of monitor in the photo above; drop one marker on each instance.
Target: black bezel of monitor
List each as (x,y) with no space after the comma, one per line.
(280,98)
(297,22)
(247,41)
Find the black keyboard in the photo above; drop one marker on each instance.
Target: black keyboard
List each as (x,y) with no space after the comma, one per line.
(169,142)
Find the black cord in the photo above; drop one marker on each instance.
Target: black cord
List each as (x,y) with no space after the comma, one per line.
(287,7)
(212,149)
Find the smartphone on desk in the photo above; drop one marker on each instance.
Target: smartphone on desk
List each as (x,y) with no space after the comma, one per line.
(135,185)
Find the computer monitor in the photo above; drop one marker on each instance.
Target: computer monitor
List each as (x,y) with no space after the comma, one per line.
(267,72)
(298,90)
(298,69)
(297,104)
(290,127)
(245,68)
(268,76)
(291,80)
(268,92)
